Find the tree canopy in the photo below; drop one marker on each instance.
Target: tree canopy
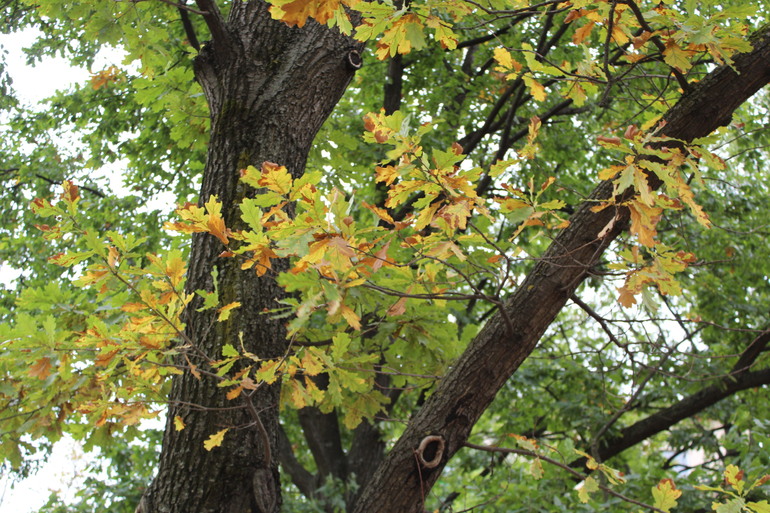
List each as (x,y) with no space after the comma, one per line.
(426,255)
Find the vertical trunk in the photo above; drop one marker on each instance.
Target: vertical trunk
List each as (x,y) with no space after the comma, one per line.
(269,88)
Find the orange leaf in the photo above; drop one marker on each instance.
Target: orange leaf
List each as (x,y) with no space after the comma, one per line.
(583,32)
(397,308)
(298,11)
(41,369)
(626,297)
(235,392)
(644,221)
(380,212)
(70,194)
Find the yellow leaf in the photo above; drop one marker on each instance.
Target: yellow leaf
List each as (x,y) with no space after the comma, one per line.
(178,423)
(589,485)
(380,212)
(215,440)
(311,363)
(644,220)
(536,89)
(608,173)
(503,57)
(71,192)
(387,174)
(676,57)
(626,297)
(353,319)
(215,224)
(666,494)
(734,477)
(224,312)
(275,178)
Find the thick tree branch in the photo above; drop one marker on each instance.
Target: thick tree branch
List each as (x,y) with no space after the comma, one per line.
(752,352)
(189,30)
(215,22)
(683,409)
(497,352)
(302,479)
(322,433)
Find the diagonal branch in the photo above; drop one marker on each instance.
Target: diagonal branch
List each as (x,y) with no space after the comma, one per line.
(215,22)
(675,413)
(497,352)
(300,476)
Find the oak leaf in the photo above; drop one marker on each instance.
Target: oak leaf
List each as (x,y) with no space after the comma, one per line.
(215,440)
(41,369)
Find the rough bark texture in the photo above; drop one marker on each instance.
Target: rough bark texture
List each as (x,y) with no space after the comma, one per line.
(401,483)
(269,88)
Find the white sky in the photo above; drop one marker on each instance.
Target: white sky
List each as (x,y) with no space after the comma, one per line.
(64,466)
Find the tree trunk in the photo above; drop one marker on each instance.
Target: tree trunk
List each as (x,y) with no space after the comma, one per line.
(269,89)
(441,427)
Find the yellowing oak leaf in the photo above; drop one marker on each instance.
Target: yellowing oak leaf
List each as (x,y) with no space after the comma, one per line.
(235,392)
(443,32)
(676,57)
(644,220)
(380,212)
(387,174)
(589,485)
(350,316)
(225,311)
(626,298)
(179,423)
(275,178)
(734,477)
(666,494)
(215,224)
(503,57)
(403,35)
(536,89)
(759,507)
(260,260)
(215,440)
(71,192)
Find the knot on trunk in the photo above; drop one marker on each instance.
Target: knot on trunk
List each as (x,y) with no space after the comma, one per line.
(430,451)
(354,59)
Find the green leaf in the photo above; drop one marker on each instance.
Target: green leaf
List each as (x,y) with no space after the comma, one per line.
(228,351)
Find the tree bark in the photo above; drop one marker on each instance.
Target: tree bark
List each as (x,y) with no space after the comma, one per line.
(269,89)
(444,423)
